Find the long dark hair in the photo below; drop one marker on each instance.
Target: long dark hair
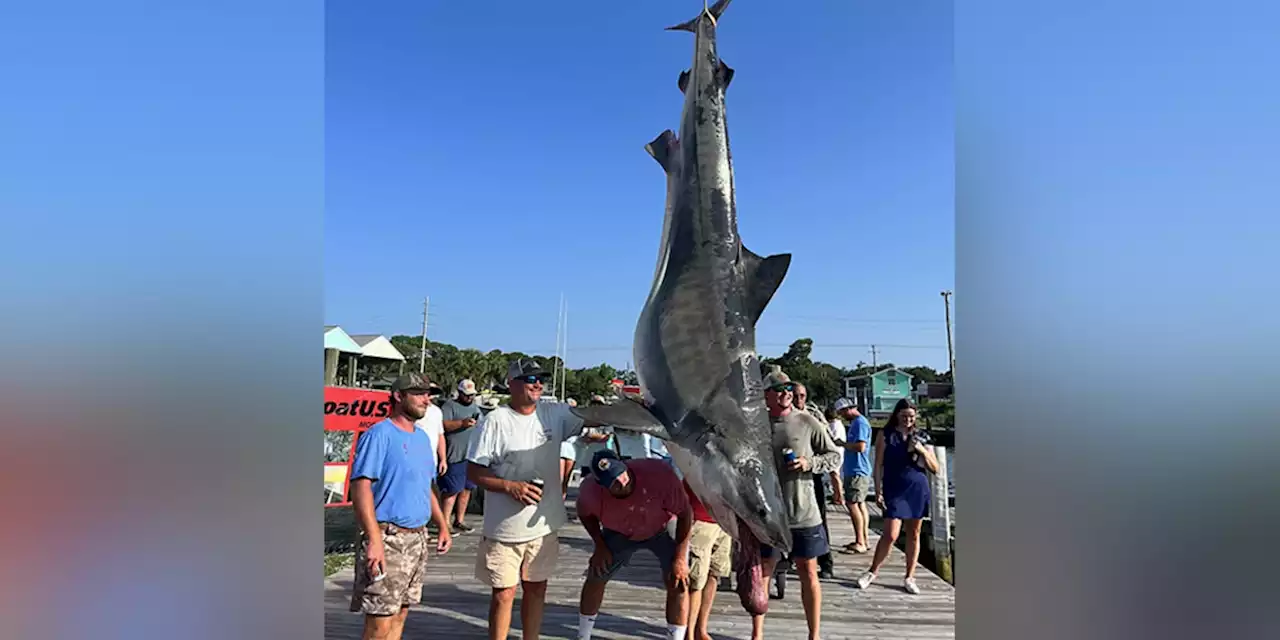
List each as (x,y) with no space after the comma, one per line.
(892,424)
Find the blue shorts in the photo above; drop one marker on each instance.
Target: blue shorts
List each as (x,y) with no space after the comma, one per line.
(809,542)
(454,479)
(663,547)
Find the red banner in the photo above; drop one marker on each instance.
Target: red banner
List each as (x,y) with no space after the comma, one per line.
(347,414)
(354,409)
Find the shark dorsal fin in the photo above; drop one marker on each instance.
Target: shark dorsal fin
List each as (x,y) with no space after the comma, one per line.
(763,277)
(724,74)
(663,149)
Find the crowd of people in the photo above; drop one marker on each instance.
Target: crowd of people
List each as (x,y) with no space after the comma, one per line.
(632,498)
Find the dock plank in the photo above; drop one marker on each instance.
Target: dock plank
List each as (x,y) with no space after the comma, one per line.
(454,604)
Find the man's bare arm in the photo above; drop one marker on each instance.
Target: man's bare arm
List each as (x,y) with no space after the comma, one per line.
(362,504)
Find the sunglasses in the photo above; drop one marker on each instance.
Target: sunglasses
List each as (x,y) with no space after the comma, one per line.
(532,379)
(783,388)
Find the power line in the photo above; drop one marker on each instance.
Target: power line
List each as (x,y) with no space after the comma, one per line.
(823,345)
(852,320)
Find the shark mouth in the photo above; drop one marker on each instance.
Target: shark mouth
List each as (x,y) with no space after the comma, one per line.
(752,586)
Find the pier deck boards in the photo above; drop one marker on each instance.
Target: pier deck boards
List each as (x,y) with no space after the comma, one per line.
(455,605)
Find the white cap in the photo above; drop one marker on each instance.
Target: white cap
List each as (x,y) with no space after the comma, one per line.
(467,388)
(842,403)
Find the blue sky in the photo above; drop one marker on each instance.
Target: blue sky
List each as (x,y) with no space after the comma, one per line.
(500,158)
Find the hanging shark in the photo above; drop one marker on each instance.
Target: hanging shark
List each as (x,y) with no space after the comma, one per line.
(694,345)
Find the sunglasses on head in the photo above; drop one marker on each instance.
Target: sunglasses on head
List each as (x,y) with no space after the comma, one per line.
(783,388)
(532,379)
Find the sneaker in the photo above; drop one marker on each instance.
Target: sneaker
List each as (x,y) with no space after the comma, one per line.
(463,527)
(826,574)
(910,586)
(866,580)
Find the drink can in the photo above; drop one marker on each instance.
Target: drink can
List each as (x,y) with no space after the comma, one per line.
(789,454)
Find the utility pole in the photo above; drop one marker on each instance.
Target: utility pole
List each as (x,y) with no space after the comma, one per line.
(873,358)
(565,356)
(422,355)
(951,356)
(555,364)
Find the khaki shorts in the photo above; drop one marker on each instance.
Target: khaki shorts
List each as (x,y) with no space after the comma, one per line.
(709,553)
(405,560)
(856,489)
(505,564)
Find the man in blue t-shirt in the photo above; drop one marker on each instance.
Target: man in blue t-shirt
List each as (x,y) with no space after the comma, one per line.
(856,470)
(391,494)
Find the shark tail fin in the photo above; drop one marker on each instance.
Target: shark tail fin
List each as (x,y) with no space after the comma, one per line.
(714,11)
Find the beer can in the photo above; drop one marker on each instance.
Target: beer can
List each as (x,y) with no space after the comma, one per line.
(789,454)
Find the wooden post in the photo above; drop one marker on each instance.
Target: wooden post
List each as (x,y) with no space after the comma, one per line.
(940,515)
(330,367)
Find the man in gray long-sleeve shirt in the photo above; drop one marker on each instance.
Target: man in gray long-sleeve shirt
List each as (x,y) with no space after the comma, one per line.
(815,452)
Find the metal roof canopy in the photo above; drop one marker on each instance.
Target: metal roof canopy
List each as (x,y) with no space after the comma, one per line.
(336,338)
(377,346)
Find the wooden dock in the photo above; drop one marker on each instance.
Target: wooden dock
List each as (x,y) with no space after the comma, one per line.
(455,605)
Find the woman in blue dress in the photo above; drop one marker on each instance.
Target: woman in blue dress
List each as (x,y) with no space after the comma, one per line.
(902,468)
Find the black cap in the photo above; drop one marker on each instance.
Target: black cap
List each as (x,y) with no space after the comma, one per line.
(607,468)
(521,367)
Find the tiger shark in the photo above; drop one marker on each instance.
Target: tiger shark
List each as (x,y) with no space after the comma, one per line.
(694,347)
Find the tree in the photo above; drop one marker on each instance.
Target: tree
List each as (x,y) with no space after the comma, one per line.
(823,381)
(447,364)
(938,414)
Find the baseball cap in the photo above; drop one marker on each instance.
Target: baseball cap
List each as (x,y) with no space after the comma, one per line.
(842,403)
(775,378)
(521,367)
(412,381)
(467,388)
(607,468)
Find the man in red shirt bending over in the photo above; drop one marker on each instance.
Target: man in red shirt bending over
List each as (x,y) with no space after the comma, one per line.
(630,506)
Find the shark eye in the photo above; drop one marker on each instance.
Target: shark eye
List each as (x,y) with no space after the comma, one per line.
(762,513)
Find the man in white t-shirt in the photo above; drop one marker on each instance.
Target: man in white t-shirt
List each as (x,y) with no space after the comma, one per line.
(433,424)
(514,457)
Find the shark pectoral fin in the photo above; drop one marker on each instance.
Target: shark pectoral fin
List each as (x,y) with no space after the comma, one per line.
(726,75)
(663,148)
(764,276)
(683,82)
(624,414)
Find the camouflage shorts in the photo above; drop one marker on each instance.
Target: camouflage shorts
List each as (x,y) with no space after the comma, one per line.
(406,558)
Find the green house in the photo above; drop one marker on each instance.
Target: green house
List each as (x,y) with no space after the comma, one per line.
(877,393)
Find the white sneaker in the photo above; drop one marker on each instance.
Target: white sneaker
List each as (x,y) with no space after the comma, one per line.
(910,585)
(866,580)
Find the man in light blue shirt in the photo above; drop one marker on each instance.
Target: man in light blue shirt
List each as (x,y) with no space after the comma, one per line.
(392,499)
(856,470)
